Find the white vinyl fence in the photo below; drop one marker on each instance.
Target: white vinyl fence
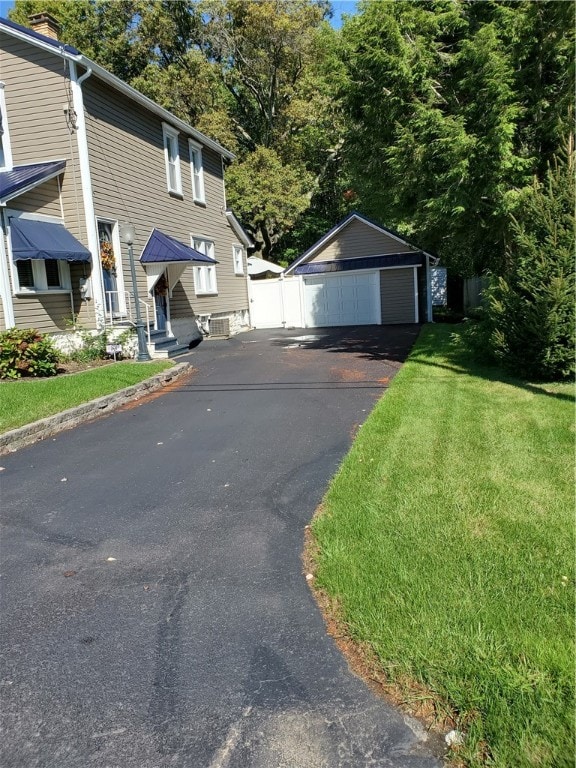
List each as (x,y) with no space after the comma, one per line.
(276,303)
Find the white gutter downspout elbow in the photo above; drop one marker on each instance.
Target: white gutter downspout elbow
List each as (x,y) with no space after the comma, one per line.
(85,76)
(87,196)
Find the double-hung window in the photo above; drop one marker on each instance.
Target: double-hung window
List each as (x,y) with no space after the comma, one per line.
(33,275)
(5,150)
(172,157)
(40,275)
(238,256)
(197,171)
(205,275)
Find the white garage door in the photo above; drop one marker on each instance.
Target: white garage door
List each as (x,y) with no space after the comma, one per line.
(332,300)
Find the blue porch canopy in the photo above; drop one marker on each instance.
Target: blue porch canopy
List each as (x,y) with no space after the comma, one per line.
(25,177)
(162,248)
(33,239)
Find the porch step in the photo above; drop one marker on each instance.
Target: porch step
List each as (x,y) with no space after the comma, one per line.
(162,346)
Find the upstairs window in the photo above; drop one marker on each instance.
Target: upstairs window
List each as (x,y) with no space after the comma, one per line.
(5,151)
(172,157)
(238,256)
(204,276)
(197,171)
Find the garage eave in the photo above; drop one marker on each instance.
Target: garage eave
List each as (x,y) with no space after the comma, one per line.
(409,259)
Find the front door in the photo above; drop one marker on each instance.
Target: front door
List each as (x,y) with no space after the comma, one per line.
(161,302)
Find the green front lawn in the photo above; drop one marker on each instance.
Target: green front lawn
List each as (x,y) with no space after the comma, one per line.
(27,400)
(447,540)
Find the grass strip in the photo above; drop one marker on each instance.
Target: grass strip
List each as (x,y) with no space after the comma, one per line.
(27,400)
(447,541)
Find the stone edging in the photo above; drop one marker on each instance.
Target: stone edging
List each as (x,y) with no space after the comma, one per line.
(31,433)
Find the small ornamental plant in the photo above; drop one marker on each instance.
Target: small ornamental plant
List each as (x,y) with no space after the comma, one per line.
(107,256)
(26,352)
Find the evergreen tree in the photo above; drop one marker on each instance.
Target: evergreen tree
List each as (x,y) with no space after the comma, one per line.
(530,314)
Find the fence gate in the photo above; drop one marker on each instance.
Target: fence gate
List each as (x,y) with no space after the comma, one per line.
(275,303)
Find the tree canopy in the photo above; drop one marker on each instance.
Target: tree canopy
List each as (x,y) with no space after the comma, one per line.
(431,116)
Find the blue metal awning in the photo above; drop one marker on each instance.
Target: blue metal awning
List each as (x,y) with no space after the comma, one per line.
(162,248)
(34,239)
(413,259)
(24,177)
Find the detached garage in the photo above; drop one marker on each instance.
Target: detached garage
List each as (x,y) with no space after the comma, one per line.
(361,273)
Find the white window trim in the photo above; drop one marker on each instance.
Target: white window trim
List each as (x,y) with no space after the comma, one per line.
(205,282)
(117,246)
(195,148)
(6,146)
(38,266)
(235,249)
(173,135)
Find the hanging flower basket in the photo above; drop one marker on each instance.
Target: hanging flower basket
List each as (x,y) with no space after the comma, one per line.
(107,256)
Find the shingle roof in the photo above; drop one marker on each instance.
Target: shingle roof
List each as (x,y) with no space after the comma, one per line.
(369,262)
(24,177)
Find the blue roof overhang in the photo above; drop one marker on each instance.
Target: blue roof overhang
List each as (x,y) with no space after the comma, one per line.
(412,259)
(163,249)
(25,177)
(35,239)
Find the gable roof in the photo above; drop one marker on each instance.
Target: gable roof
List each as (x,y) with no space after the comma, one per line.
(25,177)
(161,249)
(72,54)
(354,216)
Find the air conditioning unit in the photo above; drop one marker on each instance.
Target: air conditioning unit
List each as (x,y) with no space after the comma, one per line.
(220,326)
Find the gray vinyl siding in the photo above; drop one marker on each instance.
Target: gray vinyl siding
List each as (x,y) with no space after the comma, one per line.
(128,174)
(49,312)
(39,133)
(37,124)
(358,240)
(2,320)
(397,295)
(42,199)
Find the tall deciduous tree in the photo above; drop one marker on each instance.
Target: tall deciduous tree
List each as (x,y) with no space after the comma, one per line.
(248,73)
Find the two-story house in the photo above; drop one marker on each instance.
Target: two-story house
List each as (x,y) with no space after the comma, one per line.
(81,155)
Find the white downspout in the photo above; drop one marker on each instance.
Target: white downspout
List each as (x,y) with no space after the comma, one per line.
(5,286)
(88,199)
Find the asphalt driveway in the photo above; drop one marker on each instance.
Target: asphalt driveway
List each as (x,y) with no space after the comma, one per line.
(154,610)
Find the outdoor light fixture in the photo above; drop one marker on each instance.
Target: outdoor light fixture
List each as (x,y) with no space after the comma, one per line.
(127,233)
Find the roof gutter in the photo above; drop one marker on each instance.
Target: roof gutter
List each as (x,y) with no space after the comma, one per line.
(119,85)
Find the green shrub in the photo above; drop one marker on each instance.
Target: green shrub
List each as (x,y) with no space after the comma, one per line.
(26,353)
(93,347)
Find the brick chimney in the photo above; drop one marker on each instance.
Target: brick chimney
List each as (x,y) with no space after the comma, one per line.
(45,24)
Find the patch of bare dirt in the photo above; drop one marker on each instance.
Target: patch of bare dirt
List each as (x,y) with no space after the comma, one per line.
(73,366)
